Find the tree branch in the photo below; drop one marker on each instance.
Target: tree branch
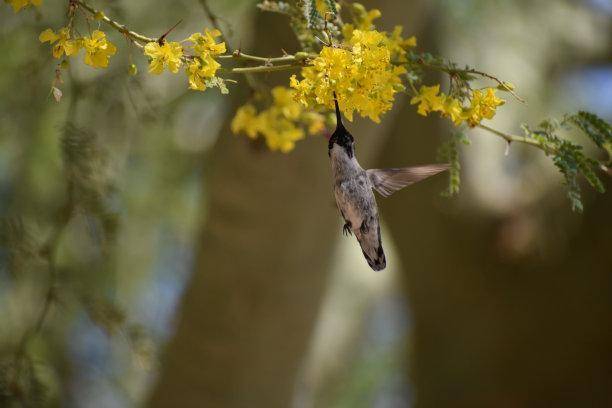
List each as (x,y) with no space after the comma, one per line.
(134,36)
(514,138)
(140,39)
(264,68)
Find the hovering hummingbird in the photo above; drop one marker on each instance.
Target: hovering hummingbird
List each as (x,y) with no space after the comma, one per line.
(353,190)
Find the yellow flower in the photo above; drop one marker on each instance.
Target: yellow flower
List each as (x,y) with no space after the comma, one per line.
(204,44)
(98,49)
(361,74)
(363,17)
(482,106)
(281,124)
(399,45)
(19,4)
(167,55)
(453,110)
(285,102)
(279,132)
(201,69)
(315,122)
(362,20)
(428,100)
(61,39)
(246,121)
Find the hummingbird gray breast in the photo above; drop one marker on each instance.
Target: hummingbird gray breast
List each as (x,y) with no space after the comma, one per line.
(357,204)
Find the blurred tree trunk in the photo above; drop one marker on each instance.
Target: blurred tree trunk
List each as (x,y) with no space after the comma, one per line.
(249,310)
(493,328)
(248,313)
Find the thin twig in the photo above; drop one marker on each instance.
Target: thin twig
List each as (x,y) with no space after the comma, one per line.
(455,71)
(266,60)
(214,20)
(513,138)
(117,26)
(264,68)
(501,83)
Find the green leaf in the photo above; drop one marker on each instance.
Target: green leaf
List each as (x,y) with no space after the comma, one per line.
(449,153)
(313,18)
(597,129)
(331,5)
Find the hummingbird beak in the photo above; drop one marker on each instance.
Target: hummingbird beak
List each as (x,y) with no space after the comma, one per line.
(338,115)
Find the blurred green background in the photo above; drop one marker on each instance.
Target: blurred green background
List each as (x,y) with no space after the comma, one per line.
(201,270)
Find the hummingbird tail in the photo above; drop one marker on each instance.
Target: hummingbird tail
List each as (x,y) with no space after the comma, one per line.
(372,249)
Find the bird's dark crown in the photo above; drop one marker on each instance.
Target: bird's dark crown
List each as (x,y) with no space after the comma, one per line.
(341,136)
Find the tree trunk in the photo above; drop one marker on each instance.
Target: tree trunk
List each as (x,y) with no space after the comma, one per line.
(490,328)
(250,308)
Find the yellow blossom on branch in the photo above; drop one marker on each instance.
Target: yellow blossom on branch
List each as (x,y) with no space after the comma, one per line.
(201,69)
(246,121)
(453,110)
(19,4)
(483,105)
(362,20)
(281,124)
(204,43)
(163,56)
(62,44)
(428,100)
(98,49)
(360,73)
(399,45)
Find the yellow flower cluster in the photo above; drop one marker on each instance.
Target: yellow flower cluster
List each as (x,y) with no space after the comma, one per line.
(361,73)
(203,66)
(483,105)
(19,4)
(98,49)
(280,124)
(200,67)
(167,55)
(62,44)
(363,19)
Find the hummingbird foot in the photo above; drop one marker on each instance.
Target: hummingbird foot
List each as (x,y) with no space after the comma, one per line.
(347,229)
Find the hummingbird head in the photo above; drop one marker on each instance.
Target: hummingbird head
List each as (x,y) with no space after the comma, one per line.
(341,136)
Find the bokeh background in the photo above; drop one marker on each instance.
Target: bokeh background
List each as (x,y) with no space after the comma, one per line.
(201,270)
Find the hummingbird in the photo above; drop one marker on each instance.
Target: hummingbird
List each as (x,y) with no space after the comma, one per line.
(353,189)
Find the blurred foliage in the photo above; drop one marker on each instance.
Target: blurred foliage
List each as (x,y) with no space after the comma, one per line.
(568,156)
(92,190)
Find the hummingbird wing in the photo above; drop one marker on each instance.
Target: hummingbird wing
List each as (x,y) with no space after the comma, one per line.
(388,181)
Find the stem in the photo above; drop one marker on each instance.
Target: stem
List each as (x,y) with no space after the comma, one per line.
(136,37)
(499,82)
(264,68)
(455,71)
(514,138)
(214,20)
(265,60)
